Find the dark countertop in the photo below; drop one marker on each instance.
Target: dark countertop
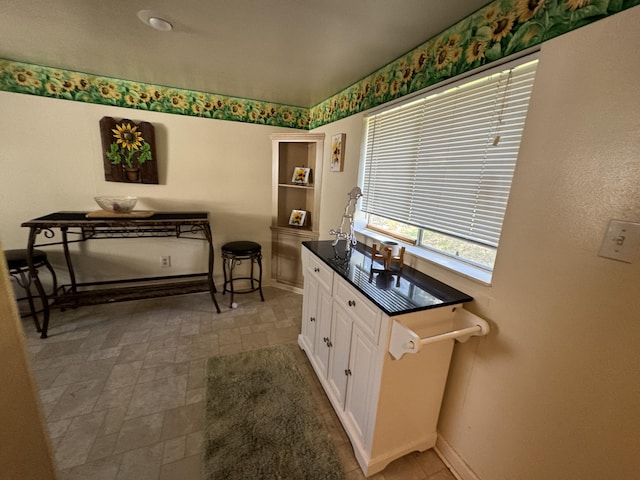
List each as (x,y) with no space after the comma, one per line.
(394,293)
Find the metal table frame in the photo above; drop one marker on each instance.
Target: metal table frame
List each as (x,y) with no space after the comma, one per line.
(76,227)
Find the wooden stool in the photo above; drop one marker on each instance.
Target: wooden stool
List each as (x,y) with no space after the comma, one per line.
(19,270)
(232,254)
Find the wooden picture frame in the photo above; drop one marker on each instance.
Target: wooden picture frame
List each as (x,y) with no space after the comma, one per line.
(298,218)
(128,151)
(337,152)
(301,175)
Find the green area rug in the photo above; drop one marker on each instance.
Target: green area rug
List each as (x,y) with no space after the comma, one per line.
(261,423)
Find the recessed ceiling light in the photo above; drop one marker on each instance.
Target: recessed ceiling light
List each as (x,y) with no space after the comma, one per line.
(154,21)
(160,24)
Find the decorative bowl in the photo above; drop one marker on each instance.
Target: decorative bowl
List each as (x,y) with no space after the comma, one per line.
(117,204)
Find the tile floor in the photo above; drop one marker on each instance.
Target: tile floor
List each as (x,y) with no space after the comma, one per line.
(122,385)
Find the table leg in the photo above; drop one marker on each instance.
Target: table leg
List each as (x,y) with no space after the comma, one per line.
(25,283)
(212,286)
(232,265)
(67,258)
(33,273)
(260,276)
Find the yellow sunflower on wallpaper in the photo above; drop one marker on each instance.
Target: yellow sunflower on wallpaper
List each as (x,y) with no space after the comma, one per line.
(501,27)
(443,57)
(475,50)
(22,77)
(573,5)
(527,9)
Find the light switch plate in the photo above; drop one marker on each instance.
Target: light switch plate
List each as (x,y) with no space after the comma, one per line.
(621,242)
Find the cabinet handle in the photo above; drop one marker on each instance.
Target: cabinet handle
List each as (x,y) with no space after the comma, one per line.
(352,303)
(313,319)
(316,269)
(347,372)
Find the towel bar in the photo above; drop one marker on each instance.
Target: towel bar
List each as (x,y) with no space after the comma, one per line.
(404,340)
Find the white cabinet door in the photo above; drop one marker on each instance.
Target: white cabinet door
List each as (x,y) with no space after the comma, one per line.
(323,331)
(316,310)
(339,359)
(365,313)
(360,368)
(309,313)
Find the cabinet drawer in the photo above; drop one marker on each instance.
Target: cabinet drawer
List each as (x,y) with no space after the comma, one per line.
(321,272)
(364,312)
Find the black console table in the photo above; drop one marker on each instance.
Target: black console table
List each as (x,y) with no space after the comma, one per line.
(76,227)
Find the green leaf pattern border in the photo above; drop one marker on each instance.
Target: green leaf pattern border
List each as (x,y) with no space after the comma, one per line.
(68,85)
(500,29)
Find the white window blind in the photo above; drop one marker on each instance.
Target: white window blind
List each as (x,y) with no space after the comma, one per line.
(445,162)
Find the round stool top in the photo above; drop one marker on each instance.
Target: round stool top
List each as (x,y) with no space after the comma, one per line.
(18,258)
(242,247)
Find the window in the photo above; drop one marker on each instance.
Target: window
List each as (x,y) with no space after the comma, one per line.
(438,170)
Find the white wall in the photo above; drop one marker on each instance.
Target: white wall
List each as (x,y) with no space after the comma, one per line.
(554,391)
(51,160)
(337,185)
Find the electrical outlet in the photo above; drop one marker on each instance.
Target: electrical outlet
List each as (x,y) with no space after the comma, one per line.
(621,241)
(165,261)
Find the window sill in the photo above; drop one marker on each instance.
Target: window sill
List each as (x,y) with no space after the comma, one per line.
(444,261)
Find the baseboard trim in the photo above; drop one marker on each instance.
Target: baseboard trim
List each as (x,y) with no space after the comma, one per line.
(453,460)
(283,286)
(377,464)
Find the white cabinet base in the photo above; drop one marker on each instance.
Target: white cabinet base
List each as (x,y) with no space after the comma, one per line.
(371,466)
(404,405)
(388,407)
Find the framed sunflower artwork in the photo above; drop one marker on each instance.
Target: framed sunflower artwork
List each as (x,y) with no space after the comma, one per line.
(337,152)
(301,175)
(128,151)
(298,218)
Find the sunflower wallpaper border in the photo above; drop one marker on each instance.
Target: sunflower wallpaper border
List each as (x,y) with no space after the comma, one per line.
(500,29)
(50,82)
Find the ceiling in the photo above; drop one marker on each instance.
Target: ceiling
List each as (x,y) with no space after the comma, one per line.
(296,52)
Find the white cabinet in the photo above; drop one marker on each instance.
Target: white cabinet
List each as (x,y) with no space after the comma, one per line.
(340,331)
(316,310)
(361,359)
(361,310)
(341,350)
(339,342)
(310,312)
(321,344)
(388,407)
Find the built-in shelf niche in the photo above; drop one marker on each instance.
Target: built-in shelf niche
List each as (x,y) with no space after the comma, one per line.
(290,151)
